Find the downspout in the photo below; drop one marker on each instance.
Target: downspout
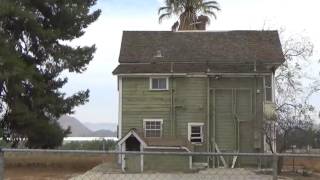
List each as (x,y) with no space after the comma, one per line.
(236,120)
(173,126)
(172,109)
(257,122)
(209,149)
(273,91)
(213,127)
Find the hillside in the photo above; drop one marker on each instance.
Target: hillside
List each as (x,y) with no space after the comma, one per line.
(77,128)
(80,130)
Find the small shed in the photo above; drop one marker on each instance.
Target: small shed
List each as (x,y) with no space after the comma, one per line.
(136,163)
(131,162)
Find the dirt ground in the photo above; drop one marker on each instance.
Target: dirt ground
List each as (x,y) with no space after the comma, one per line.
(39,166)
(297,176)
(26,166)
(32,173)
(38,173)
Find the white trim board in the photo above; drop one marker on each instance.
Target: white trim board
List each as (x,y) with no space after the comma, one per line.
(196,74)
(135,135)
(158,77)
(201,133)
(152,120)
(120,108)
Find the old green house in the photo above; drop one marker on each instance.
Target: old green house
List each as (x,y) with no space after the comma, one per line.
(194,91)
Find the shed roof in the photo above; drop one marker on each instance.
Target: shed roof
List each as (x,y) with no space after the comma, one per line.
(154,142)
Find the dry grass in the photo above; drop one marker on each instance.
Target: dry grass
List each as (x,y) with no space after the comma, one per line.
(50,165)
(312,164)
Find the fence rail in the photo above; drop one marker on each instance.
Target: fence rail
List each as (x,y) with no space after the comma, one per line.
(160,153)
(273,157)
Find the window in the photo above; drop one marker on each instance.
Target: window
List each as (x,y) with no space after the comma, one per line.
(268,88)
(159,83)
(152,127)
(195,132)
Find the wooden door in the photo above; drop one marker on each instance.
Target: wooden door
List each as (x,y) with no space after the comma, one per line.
(224,130)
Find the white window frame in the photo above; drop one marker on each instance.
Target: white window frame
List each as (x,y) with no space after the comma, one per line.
(201,132)
(167,83)
(152,120)
(269,88)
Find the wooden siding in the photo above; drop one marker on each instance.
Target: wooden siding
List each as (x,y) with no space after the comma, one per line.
(224,120)
(229,97)
(166,163)
(244,117)
(233,115)
(138,103)
(191,106)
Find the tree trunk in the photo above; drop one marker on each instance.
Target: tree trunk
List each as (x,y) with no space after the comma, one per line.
(281,150)
(280,164)
(187,21)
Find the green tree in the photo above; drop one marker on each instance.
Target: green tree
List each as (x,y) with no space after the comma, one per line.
(33,54)
(106,145)
(193,14)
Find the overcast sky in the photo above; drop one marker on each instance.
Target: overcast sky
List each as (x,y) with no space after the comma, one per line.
(297,17)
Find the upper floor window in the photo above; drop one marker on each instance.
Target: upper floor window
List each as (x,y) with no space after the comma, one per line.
(152,127)
(195,133)
(268,88)
(159,83)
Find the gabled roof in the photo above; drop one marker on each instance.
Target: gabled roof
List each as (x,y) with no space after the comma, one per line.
(132,133)
(201,46)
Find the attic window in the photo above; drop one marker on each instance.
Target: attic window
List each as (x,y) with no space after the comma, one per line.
(158,54)
(195,133)
(159,83)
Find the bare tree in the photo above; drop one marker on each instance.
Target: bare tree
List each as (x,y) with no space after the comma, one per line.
(293,88)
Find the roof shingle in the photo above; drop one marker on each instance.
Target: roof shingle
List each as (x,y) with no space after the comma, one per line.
(206,46)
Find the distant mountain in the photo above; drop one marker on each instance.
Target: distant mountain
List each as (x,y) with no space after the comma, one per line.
(100,126)
(80,130)
(77,128)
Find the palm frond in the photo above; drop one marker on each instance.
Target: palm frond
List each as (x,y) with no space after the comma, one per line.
(188,11)
(211,13)
(214,3)
(164,15)
(164,8)
(212,7)
(169,2)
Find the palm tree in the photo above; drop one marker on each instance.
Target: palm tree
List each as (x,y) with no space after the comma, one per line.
(193,14)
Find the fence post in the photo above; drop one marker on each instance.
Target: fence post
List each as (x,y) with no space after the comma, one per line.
(1,164)
(275,166)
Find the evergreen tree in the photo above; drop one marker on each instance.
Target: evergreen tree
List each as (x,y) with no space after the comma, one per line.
(33,53)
